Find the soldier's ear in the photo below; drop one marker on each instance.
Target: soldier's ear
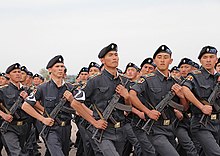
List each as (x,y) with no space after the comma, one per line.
(171,60)
(102,60)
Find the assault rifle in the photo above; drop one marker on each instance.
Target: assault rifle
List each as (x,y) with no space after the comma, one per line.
(45,130)
(12,111)
(167,100)
(211,102)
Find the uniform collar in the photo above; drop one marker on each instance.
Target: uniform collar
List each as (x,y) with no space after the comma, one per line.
(161,76)
(63,82)
(13,85)
(109,75)
(207,73)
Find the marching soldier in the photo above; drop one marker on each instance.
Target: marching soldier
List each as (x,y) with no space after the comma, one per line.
(132,73)
(199,85)
(48,95)
(17,131)
(99,91)
(154,87)
(182,130)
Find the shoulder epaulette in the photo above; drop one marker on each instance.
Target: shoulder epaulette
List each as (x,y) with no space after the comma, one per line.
(150,75)
(196,72)
(3,86)
(92,76)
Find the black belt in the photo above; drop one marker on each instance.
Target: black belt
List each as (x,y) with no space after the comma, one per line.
(18,123)
(117,124)
(164,122)
(62,123)
(213,116)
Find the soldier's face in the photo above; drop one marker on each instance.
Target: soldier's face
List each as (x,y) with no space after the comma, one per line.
(147,68)
(208,61)
(110,59)
(83,76)
(15,75)
(36,81)
(185,69)
(23,76)
(163,60)
(3,80)
(93,71)
(131,73)
(175,73)
(57,70)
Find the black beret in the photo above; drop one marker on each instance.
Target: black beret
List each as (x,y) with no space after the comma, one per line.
(105,50)
(36,75)
(131,65)
(23,68)
(4,75)
(12,67)
(41,77)
(162,48)
(94,64)
(196,65)
(185,61)
(148,61)
(84,69)
(174,68)
(207,49)
(54,60)
(30,73)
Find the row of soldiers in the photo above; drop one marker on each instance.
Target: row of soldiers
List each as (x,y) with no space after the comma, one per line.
(118,113)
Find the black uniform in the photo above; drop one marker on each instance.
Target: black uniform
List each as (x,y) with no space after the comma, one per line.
(58,139)
(154,87)
(201,83)
(18,130)
(99,90)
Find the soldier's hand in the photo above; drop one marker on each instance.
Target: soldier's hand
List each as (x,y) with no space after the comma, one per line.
(24,94)
(101,124)
(68,95)
(178,114)
(206,109)
(154,114)
(178,90)
(141,115)
(121,90)
(7,117)
(48,121)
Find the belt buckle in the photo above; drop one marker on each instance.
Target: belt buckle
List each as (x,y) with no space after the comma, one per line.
(213,116)
(19,123)
(189,115)
(62,123)
(117,125)
(166,122)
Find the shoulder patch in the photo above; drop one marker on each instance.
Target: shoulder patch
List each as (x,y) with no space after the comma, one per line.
(189,77)
(141,80)
(150,75)
(196,72)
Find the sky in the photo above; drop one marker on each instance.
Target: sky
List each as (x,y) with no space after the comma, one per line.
(34,31)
